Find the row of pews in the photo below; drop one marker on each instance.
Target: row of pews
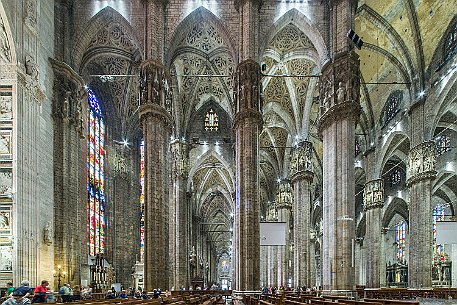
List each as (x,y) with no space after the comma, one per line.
(321,300)
(185,299)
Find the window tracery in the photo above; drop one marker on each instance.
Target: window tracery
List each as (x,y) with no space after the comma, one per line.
(211,121)
(438,215)
(395,177)
(96,181)
(443,144)
(391,108)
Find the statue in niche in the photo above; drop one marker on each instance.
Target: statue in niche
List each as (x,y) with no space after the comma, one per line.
(31,67)
(341,93)
(66,105)
(47,234)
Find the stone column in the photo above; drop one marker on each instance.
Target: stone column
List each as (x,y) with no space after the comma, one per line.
(340,109)
(70,174)
(420,173)
(156,123)
(301,172)
(373,196)
(284,200)
(178,215)
(247,125)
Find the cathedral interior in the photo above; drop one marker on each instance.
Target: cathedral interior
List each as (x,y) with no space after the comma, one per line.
(145,142)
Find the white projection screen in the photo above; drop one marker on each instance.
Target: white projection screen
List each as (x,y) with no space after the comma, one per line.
(446,232)
(272,233)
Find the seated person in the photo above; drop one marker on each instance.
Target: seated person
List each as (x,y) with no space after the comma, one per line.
(18,298)
(110,295)
(137,295)
(123,295)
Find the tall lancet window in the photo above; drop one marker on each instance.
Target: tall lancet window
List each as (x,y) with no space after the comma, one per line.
(142,200)
(400,240)
(211,121)
(96,179)
(438,215)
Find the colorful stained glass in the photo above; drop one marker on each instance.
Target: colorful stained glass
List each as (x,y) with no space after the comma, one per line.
(95,185)
(142,200)
(400,240)
(211,121)
(438,215)
(443,144)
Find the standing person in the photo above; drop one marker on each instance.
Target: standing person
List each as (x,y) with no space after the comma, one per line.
(18,298)
(40,292)
(66,293)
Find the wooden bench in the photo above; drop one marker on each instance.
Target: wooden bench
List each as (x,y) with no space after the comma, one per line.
(392,302)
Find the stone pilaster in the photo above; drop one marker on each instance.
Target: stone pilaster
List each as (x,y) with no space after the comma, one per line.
(420,173)
(373,202)
(340,109)
(284,201)
(301,172)
(156,123)
(247,125)
(249,26)
(70,174)
(179,216)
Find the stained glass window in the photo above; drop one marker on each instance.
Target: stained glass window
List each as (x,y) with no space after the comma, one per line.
(400,233)
(395,177)
(443,144)
(450,46)
(438,215)
(211,121)
(142,200)
(96,179)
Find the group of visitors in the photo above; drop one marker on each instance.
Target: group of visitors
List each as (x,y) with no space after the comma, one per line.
(41,294)
(126,294)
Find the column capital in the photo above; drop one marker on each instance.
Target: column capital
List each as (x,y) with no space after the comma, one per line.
(284,195)
(247,86)
(339,90)
(373,194)
(154,82)
(272,212)
(154,110)
(421,163)
(301,166)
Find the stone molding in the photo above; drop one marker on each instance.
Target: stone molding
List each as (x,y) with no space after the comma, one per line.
(373,194)
(301,166)
(248,114)
(154,110)
(421,163)
(348,110)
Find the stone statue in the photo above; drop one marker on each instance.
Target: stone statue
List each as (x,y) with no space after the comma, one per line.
(47,234)
(341,93)
(66,105)
(31,67)
(193,258)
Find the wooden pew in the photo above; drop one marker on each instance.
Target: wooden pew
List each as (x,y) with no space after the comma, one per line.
(392,302)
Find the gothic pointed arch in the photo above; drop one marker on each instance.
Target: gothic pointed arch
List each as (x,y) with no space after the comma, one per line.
(305,25)
(107,29)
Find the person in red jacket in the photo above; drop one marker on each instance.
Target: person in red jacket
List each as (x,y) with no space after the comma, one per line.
(40,292)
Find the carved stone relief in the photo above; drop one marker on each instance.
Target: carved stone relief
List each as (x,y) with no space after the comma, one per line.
(422,162)
(5,144)
(114,35)
(5,220)
(373,194)
(30,14)
(6,107)
(289,38)
(6,258)
(5,51)
(6,183)
(301,159)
